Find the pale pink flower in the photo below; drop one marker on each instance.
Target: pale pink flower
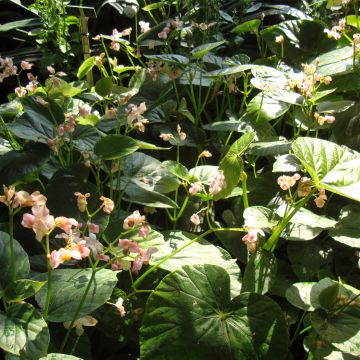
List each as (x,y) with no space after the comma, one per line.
(51,70)
(121,265)
(119,305)
(94,245)
(40,221)
(304,186)
(166,137)
(83,112)
(31,86)
(126,32)
(129,246)
(279,39)
(251,238)
(77,250)
(79,323)
(20,91)
(115,46)
(320,200)
(182,135)
(9,193)
(145,257)
(55,259)
(195,219)
(81,201)
(143,231)
(206,154)
(332,34)
(26,65)
(110,113)
(286,182)
(217,182)
(195,188)
(322,119)
(144,26)
(134,219)
(93,228)
(108,204)
(162,35)
(65,223)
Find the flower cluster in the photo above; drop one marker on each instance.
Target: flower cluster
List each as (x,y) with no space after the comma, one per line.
(135,220)
(322,119)
(135,116)
(8,68)
(217,183)
(116,35)
(336,30)
(286,182)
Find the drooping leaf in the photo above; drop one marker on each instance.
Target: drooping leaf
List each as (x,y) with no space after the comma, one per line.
(201,50)
(286,163)
(272,146)
(259,217)
(247,26)
(115,146)
(24,165)
(68,288)
(336,61)
(24,332)
(86,67)
(190,315)
(22,265)
(328,165)
(104,86)
(299,295)
(173,59)
(260,272)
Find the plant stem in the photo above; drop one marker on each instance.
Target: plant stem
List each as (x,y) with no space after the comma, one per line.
(48,289)
(11,237)
(244,189)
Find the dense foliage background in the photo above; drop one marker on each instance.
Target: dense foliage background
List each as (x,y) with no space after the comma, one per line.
(180,179)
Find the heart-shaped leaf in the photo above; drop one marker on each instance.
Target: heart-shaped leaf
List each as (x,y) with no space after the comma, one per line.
(190,316)
(115,146)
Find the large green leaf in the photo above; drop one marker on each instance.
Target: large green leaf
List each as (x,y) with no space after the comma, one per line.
(199,252)
(336,61)
(190,316)
(24,332)
(24,165)
(201,50)
(247,26)
(260,272)
(115,146)
(332,167)
(259,217)
(54,356)
(302,38)
(22,265)
(85,137)
(104,86)
(68,287)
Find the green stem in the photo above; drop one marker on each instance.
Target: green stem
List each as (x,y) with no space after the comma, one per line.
(244,189)
(138,282)
(296,334)
(63,344)
(48,289)
(11,236)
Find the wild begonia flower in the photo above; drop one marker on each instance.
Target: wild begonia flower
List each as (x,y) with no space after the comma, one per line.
(144,230)
(110,113)
(279,39)
(26,65)
(144,26)
(79,323)
(119,305)
(9,193)
(95,246)
(129,246)
(206,154)
(195,188)
(108,204)
(182,135)
(81,201)
(144,258)
(20,91)
(50,69)
(286,182)
(134,219)
(93,228)
(65,223)
(322,119)
(304,186)
(120,265)
(126,32)
(40,221)
(166,137)
(195,219)
(217,182)
(251,238)
(321,199)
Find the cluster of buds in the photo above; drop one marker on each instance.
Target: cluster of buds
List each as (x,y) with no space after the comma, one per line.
(140,256)
(8,68)
(116,35)
(55,76)
(156,67)
(174,24)
(322,119)
(304,187)
(202,26)
(135,116)
(336,30)
(168,136)
(251,238)
(307,81)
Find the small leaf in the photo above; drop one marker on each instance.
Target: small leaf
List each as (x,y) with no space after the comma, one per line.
(115,146)
(104,86)
(86,67)
(259,217)
(22,289)
(299,295)
(248,26)
(201,50)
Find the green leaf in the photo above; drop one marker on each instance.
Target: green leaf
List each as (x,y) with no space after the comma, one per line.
(24,165)
(85,137)
(353,20)
(232,164)
(24,332)
(190,316)
(299,295)
(54,356)
(336,61)
(286,163)
(260,272)
(115,146)
(201,50)
(22,265)
(199,252)
(183,110)
(176,168)
(272,146)
(68,288)
(329,166)
(247,26)
(302,38)
(259,217)
(346,230)
(13,25)
(263,107)
(22,289)
(104,86)
(86,67)
(172,59)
